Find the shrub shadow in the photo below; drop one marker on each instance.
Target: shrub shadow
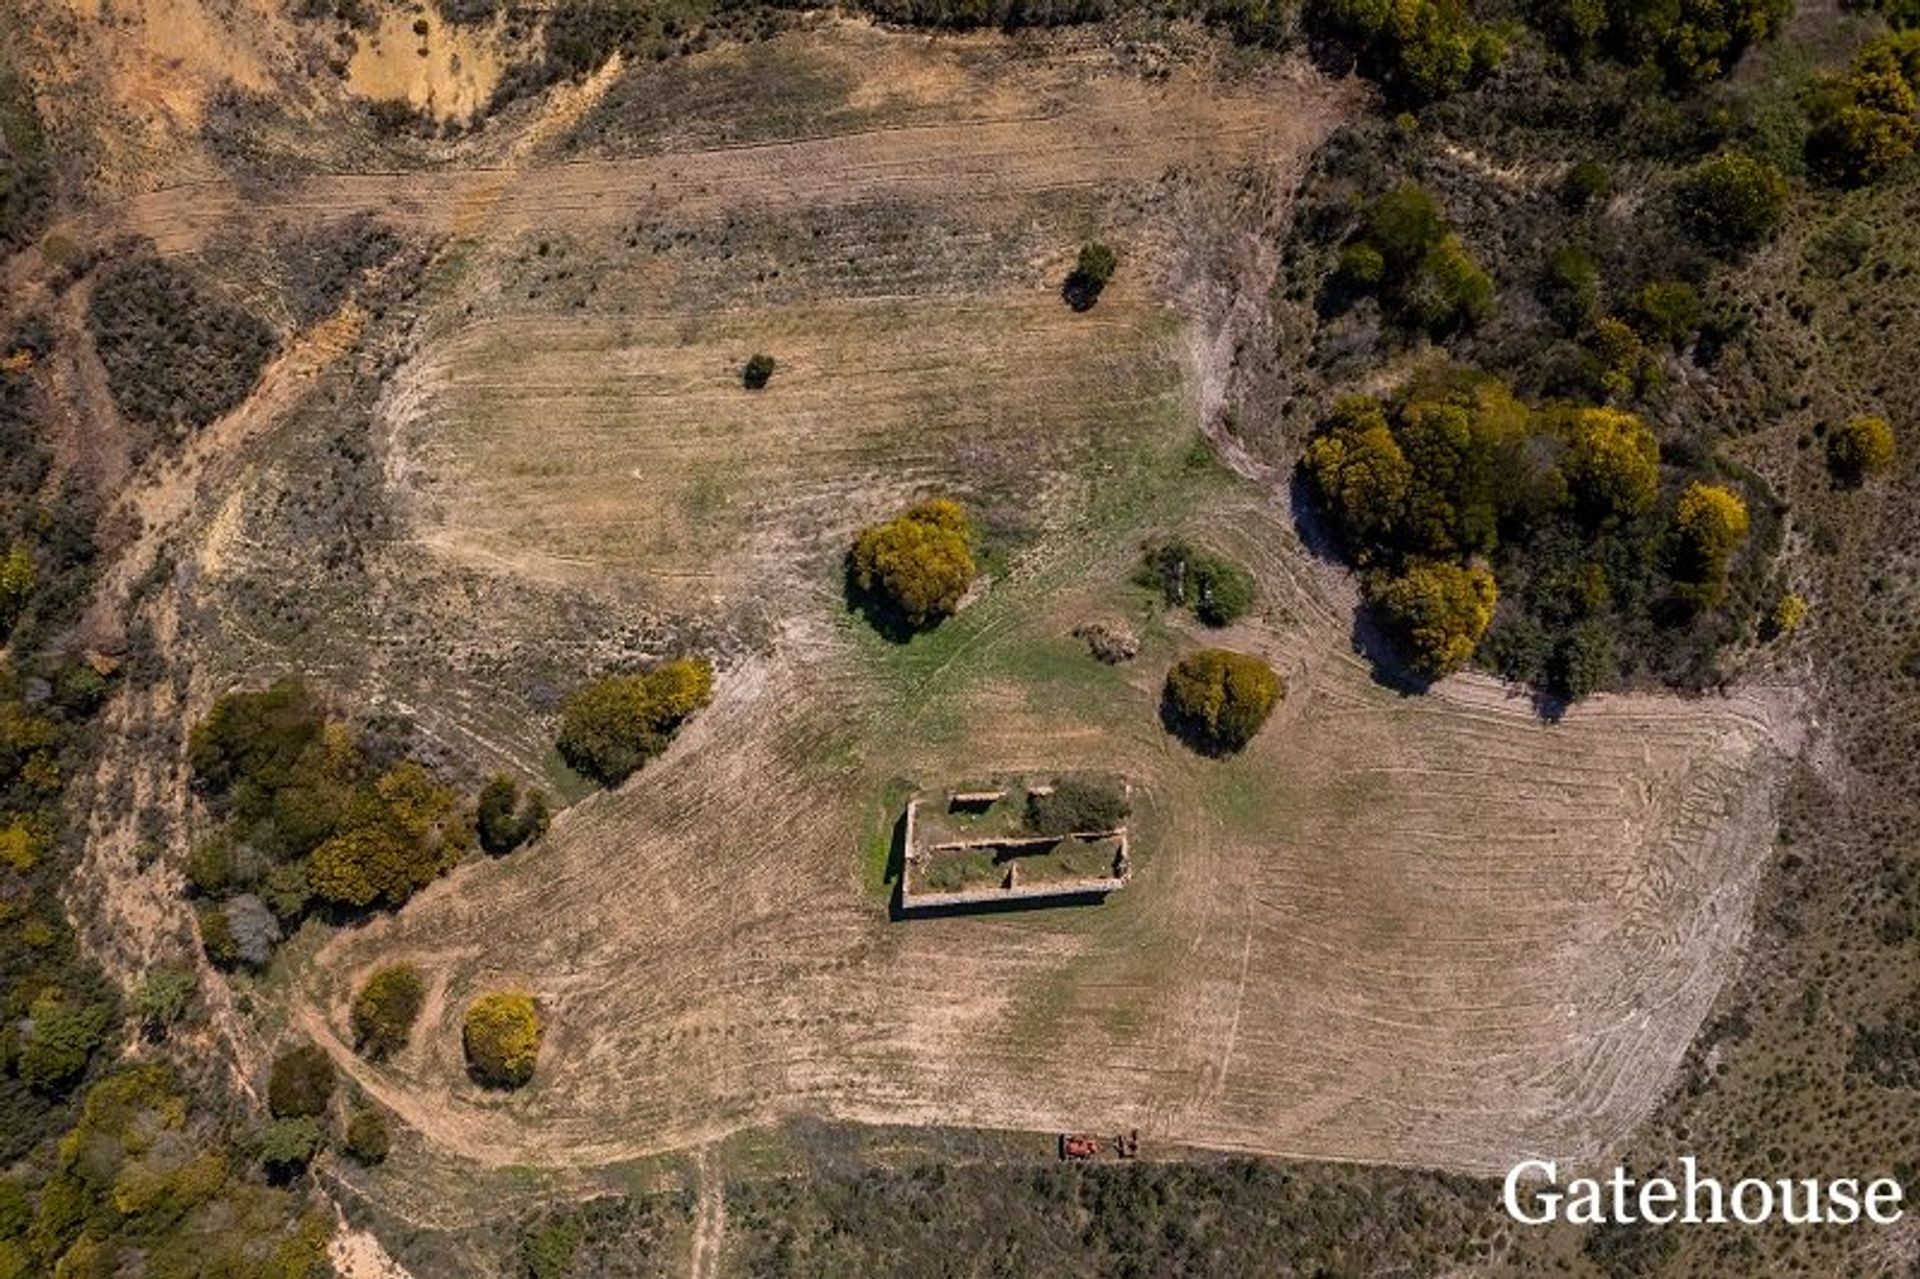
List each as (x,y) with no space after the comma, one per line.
(880,612)
(1079,292)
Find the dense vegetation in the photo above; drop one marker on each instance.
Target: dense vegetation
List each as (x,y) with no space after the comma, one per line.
(1455,498)
(1216,700)
(1216,588)
(611,726)
(176,356)
(307,819)
(911,572)
(501,1036)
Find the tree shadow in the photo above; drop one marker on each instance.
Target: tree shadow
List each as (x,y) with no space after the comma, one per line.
(1080,292)
(881,613)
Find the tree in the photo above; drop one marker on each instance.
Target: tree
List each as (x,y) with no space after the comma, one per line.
(1865,124)
(502,1038)
(1437,612)
(758,371)
(1091,272)
(1449,291)
(300,1083)
(612,726)
(912,571)
(1859,448)
(367,1138)
(1358,472)
(1403,225)
(1217,700)
(1583,662)
(397,836)
(1709,522)
(1078,803)
(383,1013)
(502,821)
(1612,463)
(287,1146)
(1586,183)
(1733,201)
(16,584)
(60,1040)
(1668,311)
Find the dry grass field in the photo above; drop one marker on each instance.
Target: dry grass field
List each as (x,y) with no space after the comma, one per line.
(1425,930)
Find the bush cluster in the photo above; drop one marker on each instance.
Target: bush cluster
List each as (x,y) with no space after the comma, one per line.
(1692,42)
(611,726)
(1078,802)
(1217,700)
(911,572)
(1405,252)
(1216,588)
(300,1084)
(1462,504)
(1865,124)
(1418,50)
(176,356)
(1733,201)
(307,821)
(501,1036)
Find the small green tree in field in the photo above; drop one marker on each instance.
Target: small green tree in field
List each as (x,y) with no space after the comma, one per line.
(912,571)
(501,1036)
(384,1011)
(758,371)
(1091,272)
(1437,612)
(612,726)
(1860,448)
(1216,700)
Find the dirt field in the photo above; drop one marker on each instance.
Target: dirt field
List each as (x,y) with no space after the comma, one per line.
(1423,930)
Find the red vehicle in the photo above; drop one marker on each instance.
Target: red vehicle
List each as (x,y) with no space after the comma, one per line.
(1074,1145)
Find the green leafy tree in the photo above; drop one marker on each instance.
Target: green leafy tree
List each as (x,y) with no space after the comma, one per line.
(1359,473)
(383,1012)
(1091,272)
(1436,612)
(287,1146)
(1612,463)
(1217,700)
(611,726)
(913,570)
(1668,311)
(300,1083)
(16,584)
(758,371)
(1218,590)
(163,997)
(1734,201)
(1859,448)
(501,1036)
